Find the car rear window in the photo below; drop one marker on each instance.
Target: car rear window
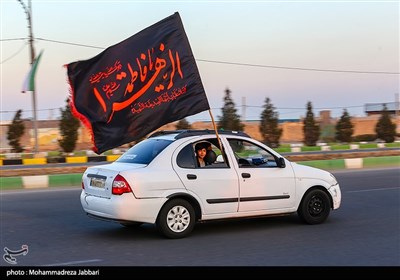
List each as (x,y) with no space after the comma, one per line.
(145,151)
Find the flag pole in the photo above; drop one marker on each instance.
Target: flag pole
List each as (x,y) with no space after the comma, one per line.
(216,133)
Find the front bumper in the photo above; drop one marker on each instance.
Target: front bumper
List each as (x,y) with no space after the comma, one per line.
(336,195)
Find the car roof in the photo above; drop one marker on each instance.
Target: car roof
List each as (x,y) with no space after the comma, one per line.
(178,134)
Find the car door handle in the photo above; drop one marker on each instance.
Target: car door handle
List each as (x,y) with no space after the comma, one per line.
(246,175)
(191,176)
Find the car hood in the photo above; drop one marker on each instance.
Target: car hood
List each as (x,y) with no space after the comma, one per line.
(308,172)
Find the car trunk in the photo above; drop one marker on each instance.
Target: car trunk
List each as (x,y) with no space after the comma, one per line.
(98,180)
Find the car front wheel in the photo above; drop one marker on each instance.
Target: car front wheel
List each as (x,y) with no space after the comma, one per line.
(315,207)
(176,219)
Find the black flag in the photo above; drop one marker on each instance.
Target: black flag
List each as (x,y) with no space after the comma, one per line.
(136,86)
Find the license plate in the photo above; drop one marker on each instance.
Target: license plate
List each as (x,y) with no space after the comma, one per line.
(97,182)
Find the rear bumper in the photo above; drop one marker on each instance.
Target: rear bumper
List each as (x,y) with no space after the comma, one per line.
(123,207)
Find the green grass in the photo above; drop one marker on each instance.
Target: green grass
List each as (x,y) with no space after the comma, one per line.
(58,180)
(9,183)
(392,145)
(382,161)
(53,154)
(325,164)
(340,147)
(310,148)
(30,155)
(283,150)
(285,146)
(368,146)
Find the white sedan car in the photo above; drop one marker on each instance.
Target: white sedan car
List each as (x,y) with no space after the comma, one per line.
(158,181)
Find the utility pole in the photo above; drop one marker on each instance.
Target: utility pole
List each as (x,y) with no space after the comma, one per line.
(28,12)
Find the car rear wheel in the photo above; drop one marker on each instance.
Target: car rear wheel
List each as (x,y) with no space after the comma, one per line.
(176,219)
(315,207)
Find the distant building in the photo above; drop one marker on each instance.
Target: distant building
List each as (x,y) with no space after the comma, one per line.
(377,108)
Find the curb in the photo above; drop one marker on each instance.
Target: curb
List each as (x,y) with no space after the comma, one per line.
(40,181)
(33,182)
(82,159)
(74,179)
(354,163)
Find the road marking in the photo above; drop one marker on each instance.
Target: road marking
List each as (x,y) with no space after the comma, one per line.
(372,190)
(73,262)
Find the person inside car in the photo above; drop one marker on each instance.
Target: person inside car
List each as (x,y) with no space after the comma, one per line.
(201,151)
(204,154)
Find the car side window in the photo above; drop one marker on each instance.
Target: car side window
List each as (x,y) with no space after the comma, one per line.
(249,155)
(187,157)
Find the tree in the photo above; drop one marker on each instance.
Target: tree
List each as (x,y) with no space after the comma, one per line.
(15,131)
(344,128)
(69,126)
(229,120)
(183,124)
(269,129)
(310,128)
(385,129)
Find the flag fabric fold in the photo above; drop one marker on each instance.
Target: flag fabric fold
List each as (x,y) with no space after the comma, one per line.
(29,83)
(136,86)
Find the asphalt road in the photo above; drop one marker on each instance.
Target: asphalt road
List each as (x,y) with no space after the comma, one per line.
(365,231)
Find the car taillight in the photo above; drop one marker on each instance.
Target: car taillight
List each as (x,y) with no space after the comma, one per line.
(83,186)
(120,186)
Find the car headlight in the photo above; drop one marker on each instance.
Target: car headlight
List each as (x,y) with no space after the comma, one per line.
(334,181)
(333,191)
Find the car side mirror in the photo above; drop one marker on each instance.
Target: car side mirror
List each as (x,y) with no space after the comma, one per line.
(281,162)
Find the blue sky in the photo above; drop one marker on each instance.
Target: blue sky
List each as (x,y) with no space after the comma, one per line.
(328,35)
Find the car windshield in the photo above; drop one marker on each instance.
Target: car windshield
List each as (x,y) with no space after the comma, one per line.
(145,151)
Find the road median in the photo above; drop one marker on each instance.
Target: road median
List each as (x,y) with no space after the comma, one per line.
(71,176)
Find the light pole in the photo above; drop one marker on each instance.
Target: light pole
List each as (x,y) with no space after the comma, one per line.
(28,12)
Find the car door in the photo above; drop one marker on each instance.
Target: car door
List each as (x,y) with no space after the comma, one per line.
(263,184)
(216,185)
